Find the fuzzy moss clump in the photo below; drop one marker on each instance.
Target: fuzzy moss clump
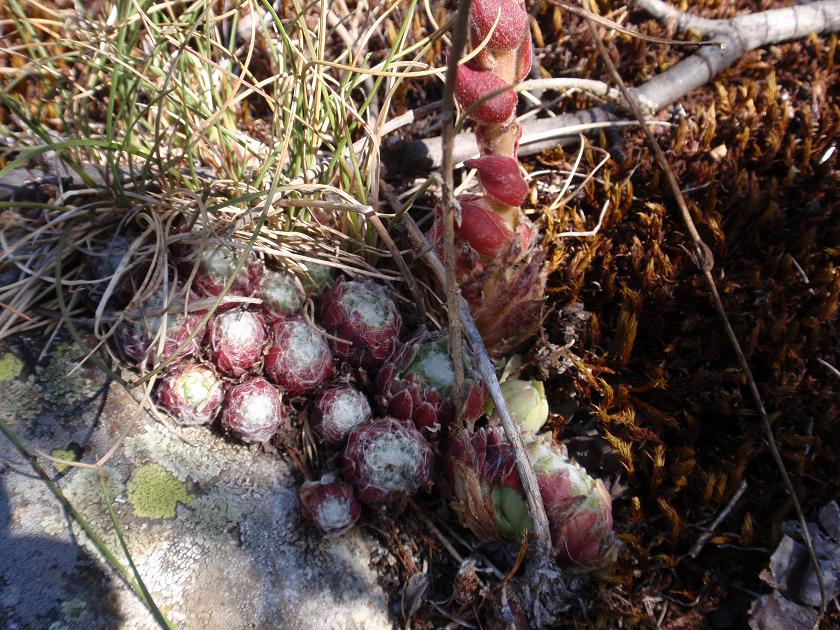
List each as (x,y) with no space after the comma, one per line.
(154,493)
(10,367)
(64,454)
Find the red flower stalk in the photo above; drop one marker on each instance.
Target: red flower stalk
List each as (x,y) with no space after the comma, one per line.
(282,294)
(140,333)
(299,358)
(330,505)
(253,410)
(499,264)
(338,411)
(488,497)
(418,384)
(362,313)
(192,393)
(237,339)
(386,460)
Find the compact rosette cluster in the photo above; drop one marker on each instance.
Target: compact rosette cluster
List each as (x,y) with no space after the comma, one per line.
(499,261)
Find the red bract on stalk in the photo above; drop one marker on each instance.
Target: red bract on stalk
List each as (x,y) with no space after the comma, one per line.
(253,410)
(192,393)
(499,264)
(299,358)
(488,497)
(362,313)
(338,411)
(237,339)
(387,460)
(330,505)
(418,384)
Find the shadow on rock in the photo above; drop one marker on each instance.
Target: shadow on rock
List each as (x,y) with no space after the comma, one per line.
(47,583)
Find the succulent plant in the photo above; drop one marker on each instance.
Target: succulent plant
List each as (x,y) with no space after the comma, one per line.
(253,410)
(330,505)
(385,460)
(363,313)
(139,333)
(316,278)
(299,359)
(192,393)
(281,293)
(337,411)
(216,264)
(237,339)
(488,498)
(527,403)
(418,384)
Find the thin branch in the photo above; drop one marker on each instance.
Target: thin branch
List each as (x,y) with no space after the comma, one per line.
(703,259)
(447,116)
(724,513)
(542,535)
(740,35)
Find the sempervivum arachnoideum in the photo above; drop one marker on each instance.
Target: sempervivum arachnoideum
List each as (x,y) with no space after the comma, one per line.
(362,313)
(330,505)
(386,460)
(253,410)
(299,358)
(281,294)
(192,393)
(488,497)
(237,339)
(217,264)
(337,411)
(418,384)
(139,335)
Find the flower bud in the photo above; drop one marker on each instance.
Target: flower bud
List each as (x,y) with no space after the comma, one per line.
(362,313)
(191,393)
(237,339)
(330,505)
(526,402)
(299,359)
(253,410)
(509,32)
(386,460)
(338,411)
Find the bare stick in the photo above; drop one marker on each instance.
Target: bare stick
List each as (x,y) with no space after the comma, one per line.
(740,35)
(542,535)
(447,116)
(703,259)
(724,514)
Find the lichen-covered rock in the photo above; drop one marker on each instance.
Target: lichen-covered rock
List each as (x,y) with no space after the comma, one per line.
(214,563)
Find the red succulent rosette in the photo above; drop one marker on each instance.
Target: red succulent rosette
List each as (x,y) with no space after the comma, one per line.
(363,313)
(237,339)
(386,460)
(217,263)
(299,358)
(418,384)
(192,393)
(139,334)
(337,411)
(253,410)
(487,495)
(330,505)
(281,293)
